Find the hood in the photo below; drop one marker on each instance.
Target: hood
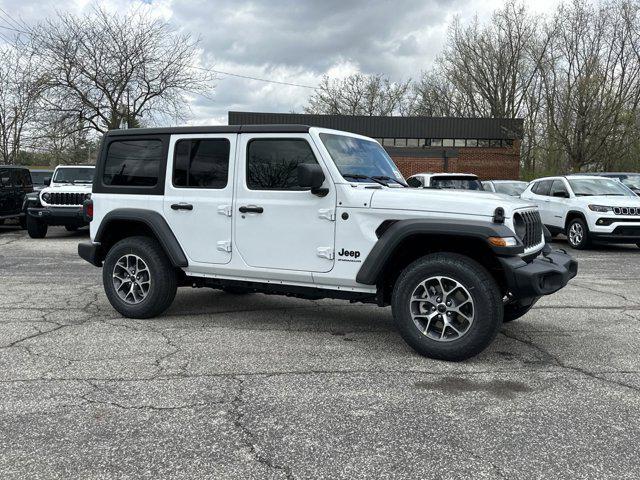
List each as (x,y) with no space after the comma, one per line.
(446,201)
(69,188)
(609,201)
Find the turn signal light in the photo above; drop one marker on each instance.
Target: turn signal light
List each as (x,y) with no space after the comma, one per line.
(87,210)
(502,241)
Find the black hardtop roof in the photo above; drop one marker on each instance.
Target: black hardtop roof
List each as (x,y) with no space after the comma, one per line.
(15,166)
(212,129)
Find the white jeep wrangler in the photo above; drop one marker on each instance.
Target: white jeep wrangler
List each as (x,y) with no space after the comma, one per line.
(60,202)
(313,213)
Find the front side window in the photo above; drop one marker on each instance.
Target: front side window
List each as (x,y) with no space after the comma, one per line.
(39,176)
(632,181)
(357,156)
(558,189)
(542,188)
(201,163)
(272,163)
(587,187)
(73,175)
(133,163)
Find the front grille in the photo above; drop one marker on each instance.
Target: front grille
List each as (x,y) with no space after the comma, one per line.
(65,198)
(626,211)
(533,228)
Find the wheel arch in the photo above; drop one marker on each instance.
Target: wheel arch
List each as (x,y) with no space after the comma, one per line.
(571,215)
(407,240)
(128,222)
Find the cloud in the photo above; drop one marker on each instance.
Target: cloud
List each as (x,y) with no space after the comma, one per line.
(293,41)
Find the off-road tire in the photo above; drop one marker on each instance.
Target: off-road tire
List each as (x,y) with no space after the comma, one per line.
(584,241)
(163,286)
(36,228)
(484,291)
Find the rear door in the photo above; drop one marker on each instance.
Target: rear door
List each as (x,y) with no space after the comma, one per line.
(6,192)
(198,194)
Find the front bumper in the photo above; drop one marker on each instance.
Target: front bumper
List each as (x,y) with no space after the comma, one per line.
(546,274)
(58,215)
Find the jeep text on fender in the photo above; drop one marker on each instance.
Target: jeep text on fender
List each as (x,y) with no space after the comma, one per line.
(313,213)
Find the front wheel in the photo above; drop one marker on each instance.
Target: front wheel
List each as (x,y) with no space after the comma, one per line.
(447,306)
(578,234)
(138,278)
(36,228)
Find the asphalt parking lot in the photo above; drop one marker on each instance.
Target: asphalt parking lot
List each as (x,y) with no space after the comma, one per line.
(268,387)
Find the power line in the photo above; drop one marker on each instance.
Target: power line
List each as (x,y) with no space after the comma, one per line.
(248,77)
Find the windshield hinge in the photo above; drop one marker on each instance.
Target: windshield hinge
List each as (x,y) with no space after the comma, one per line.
(224,245)
(325,252)
(327,213)
(225,210)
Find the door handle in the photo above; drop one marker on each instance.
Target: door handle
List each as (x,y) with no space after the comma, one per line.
(181,206)
(251,209)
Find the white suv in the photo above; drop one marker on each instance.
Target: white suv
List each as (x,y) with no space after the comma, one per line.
(313,213)
(587,208)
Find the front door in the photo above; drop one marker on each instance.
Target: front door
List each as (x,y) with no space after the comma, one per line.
(278,224)
(198,195)
(557,205)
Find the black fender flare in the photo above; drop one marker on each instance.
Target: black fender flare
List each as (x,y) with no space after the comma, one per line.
(155,222)
(384,248)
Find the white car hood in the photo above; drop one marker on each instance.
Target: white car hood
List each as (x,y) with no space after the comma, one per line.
(609,201)
(447,201)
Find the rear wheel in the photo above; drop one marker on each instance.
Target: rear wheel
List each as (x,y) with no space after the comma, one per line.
(578,234)
(36,228)
(138,278)
(447,306)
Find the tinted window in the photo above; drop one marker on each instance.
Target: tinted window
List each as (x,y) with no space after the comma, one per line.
(558,187)
(458,183)
(201,163)
(5,177)
(133,163)
(542,188)
(414,182)
(21,178)
(272,164)
(39,176)
(73,175)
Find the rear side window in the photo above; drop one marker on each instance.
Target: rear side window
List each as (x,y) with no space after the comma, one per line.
(201,163)
(133,163)
(272,164)
(21,178)
(542,188)
(5,177)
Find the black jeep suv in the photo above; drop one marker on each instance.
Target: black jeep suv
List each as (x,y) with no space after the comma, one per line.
(15,183)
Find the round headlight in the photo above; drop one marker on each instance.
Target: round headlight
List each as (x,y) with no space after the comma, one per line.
(519,226)
(46,197)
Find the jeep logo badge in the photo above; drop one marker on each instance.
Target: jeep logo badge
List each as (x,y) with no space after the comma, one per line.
(349,253)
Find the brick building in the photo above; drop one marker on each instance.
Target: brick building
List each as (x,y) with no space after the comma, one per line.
(488,147)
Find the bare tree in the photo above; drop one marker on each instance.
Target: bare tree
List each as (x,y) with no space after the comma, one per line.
(21,85)
(592,82)
(358,94)
(110,70)
(434,95)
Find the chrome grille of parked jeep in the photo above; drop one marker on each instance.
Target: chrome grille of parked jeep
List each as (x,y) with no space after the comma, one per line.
(66,198)
(533,228)
(626,210)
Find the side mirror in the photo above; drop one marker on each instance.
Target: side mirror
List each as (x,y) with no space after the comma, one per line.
(47,181)
(310,175)
(561,194)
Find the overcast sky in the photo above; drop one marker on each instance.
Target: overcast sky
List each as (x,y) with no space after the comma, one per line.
(294,41)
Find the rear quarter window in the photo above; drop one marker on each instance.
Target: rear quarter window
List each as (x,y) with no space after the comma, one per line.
(133,163)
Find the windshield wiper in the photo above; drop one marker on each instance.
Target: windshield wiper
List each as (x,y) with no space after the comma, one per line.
(357,176)
(384,177)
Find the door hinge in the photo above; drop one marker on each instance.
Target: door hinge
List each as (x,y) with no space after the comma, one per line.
(224,245)
(327,213)
(325,252)
(225,210)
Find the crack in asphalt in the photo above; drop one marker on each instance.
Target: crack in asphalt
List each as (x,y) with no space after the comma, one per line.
(554,360)
(249,437)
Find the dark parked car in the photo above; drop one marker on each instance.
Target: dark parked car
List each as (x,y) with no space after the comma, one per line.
(38,178)
(15,183)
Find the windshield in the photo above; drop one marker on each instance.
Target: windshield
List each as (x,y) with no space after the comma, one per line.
(356,156)
(38,177)
(457,183)
(73,175)
(586,187)
(632,181)
(510,188)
